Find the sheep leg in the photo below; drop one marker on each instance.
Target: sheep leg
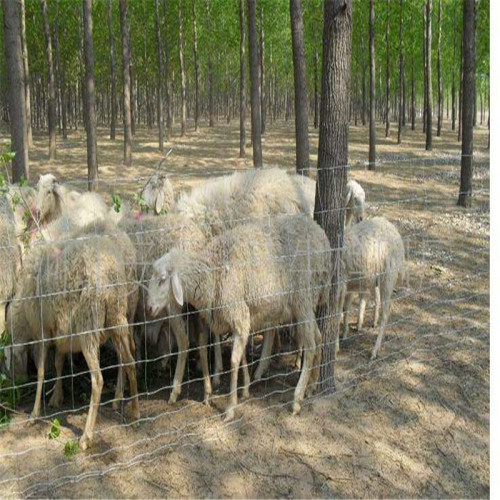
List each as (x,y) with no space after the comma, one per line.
(313,381)
(300,349)
(245,393)
(129,361)
(339,315)
(58,395)
(387,286)
(362,309)
(202,341)
(218,369)
(348,302)
(91,355)
(265,355)
(309,355)
(377,306)
(42,353)
(3,320)
(182,347)
(240,337)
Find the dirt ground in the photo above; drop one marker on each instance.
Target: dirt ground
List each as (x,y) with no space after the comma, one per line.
(413,423)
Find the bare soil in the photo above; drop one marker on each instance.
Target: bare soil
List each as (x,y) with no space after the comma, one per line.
(413,423)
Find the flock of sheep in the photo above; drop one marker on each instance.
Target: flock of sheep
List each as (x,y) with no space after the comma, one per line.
(240,253)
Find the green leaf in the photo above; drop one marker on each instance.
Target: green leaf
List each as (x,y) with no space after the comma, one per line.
(117,203)
(55,429)
(71,448)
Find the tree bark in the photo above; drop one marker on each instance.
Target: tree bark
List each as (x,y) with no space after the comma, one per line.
(371,154)
(127,118)
(90,96)
(262,74)
(159,100)
(469,62)
(168,95)
(387,74)
(453,76)
(61,83)
(401,69)
(253,51)
(196,71)
(52,89)
(316,100)
(16,90)
(242,79)
(299,79)
(428,75)
(332,160)
(439,75)
(26,75)
(183,75)
(112,131)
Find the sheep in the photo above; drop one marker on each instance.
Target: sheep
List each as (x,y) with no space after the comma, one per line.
(373,259)
(157,195)
(10,256)
(355,203)
(251,277)
(75,293)
(52,198)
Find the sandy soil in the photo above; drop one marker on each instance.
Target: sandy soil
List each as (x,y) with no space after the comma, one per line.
(414,423)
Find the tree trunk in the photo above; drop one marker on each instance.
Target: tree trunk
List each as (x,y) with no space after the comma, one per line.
(363,82)
(332,161)
(26,75)
(439,75)
(262,74)
(371,154)
(460,94)
(60,82)
(133,93)
(424,59)
(428,57)
(387,74)
(52,88)
(196,71)
(253,51)
(453,86)
(316,100)
(17,92)
(183,75)
(168,95)
(400,86)
(299,79)
(242,79)
(413,105)
(90,96)
(159,100)
(469,62)
(127,118)
(112,132)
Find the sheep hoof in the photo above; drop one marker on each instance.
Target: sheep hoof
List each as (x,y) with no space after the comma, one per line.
(373,356)
(56,400)
(173,398)
(245,394)
(33,419)
(85,442)
(229,415)
(116,404)
(296,408)
(216,381)
(258,375)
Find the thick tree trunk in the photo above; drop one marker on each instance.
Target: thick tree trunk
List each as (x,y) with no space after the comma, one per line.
(196,71)
(371,154)
(262,74)
(387,74)
(332,160)
(242,79)
(299,78)
(428,56)
(469,58)
(439,75)
(112,131)
(26,75)
(127,118)
(253,51)
(159,100)
(90,96)
(183,75)
(424,59)
(52,87)
(16,90)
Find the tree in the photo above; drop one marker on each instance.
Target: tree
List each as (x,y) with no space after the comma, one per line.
(371,154)
(253,52)
(127,115)
(90,96)
(16,96)
(112,131)
(52,88)
(242,79)
(439,72)
(183,75)
(196,70)
(332,158)
(428,75)
(469,89)
(262,74)
(387,74)
(159,103)
(401,108)
(299,78)
(26,74)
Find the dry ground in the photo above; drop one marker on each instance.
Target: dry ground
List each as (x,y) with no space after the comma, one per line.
(414,423)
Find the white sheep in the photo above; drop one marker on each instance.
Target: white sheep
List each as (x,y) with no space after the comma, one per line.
(52,198)
(373,260)
(157,195)
(252,277)
(355,202)
(75,294)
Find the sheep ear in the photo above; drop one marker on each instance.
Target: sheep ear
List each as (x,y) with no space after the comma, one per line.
(177,289)
(160,200)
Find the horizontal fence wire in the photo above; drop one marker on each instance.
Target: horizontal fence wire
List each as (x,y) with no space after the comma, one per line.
(434,288)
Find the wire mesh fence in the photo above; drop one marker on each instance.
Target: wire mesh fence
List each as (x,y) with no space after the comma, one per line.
(88,294)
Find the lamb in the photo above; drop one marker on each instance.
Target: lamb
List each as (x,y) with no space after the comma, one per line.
(75,294)
(373,258)
(251,277)
(157,195)
(10,256)
(355,203)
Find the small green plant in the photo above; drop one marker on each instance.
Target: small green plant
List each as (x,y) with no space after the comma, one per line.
(4,188)
(71,448)
(23,181)
(55,429)
(117,203)
(9,396)
(140,203)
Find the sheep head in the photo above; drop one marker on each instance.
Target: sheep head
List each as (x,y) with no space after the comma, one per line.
(355,201)
(49,198)
(153,193)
